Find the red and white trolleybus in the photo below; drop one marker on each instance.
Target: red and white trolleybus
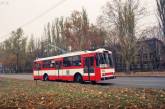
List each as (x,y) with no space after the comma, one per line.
(76,66)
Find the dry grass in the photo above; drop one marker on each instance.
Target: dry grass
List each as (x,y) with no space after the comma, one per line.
(26,94)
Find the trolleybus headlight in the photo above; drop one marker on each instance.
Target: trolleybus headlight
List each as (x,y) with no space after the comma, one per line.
(103,74)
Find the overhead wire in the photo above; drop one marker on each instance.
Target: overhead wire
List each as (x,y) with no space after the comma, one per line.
(37,17)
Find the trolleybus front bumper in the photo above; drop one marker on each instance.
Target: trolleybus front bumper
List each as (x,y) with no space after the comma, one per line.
(106,78)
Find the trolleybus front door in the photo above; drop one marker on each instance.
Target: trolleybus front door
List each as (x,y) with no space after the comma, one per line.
(89,66)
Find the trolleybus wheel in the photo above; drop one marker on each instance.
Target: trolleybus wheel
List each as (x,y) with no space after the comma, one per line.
(45,78)
(78,78)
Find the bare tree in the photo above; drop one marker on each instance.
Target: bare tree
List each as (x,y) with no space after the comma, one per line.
(122,17)
(78,24)
(82,34)
(152,32)
(74,32)
(161,14)
(14,49)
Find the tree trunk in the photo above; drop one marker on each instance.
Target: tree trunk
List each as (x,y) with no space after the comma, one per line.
(127,67)
(17,64)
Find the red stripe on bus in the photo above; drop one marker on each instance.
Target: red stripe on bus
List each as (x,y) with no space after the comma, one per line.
(107,74)
(69,78)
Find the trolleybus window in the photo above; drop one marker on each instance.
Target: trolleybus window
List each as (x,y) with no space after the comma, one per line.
(58,64)
(110,60)
(67,61)
(76,60)
(36,66)
(104,60)
(89,61)
(72,61)
(46,64)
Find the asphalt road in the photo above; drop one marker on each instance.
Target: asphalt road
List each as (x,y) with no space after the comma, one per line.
(137,82)
(124,82)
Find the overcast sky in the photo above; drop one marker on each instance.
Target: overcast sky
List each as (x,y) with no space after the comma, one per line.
(15,13)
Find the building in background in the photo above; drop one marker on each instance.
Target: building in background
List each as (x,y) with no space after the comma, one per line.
(150,56)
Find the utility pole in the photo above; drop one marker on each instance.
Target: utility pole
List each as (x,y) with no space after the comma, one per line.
(17,62)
